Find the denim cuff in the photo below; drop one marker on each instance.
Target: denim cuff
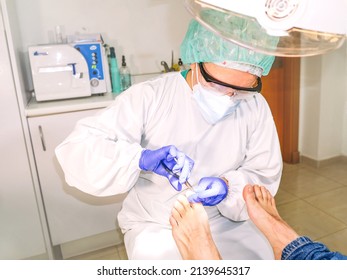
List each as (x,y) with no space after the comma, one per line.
(294,245)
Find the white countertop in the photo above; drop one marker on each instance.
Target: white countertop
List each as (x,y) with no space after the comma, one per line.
(35,109)
(43,108)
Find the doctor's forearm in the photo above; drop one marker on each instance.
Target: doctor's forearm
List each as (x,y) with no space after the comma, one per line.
(99,167)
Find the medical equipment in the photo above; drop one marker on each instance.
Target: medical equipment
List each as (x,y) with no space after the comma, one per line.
(302,27)
(94,54)
(62,71)
(176,175)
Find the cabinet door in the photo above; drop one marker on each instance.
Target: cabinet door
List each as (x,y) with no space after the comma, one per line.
(71,213)
(21,233)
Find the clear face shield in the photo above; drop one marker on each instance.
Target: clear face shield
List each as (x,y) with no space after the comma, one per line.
(299,27)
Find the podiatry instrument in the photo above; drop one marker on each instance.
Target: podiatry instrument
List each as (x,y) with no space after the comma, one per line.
(176,175)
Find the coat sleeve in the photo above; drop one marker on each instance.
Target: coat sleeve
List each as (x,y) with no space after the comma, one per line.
(262,164)
(101,155)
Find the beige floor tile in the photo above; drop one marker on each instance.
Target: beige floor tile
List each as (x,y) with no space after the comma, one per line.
(109,253)
(284,197)
(308,220)
(297,176)
(337,172)
(122,252)
(290,167)
(336,241)
(333,202)
(311,185)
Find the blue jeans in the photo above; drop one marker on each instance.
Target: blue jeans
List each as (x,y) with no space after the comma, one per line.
(303,248)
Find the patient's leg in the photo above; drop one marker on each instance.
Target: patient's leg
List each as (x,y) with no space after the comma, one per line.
(191,231)
(263,212)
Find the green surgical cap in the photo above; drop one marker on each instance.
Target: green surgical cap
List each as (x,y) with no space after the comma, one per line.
(202,45)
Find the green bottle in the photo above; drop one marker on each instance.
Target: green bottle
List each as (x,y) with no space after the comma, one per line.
(115,76)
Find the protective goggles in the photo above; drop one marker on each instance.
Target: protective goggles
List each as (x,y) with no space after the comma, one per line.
(208,78)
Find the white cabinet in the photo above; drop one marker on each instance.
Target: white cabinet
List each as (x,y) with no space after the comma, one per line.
(71,214)
(21,233)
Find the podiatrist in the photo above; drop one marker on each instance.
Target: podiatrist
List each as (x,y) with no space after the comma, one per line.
(208,125)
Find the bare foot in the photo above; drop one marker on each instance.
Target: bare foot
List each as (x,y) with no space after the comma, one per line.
(263,212)
(191,231)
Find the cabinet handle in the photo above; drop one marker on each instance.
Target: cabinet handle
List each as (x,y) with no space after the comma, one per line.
(42,138)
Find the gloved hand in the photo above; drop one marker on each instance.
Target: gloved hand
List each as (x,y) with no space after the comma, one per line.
(174,159)
(210,191)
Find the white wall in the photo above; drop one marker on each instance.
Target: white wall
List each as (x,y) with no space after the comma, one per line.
(310,84)
(145,31)
(323,106)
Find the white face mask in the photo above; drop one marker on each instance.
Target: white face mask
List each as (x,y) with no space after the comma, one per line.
(214,106)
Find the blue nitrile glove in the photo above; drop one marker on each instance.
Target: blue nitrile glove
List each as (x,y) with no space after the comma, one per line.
(210,191)
(174,159)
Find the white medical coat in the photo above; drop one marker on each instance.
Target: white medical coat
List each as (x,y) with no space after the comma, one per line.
(101,157)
